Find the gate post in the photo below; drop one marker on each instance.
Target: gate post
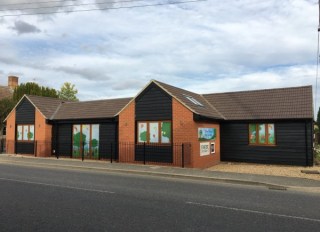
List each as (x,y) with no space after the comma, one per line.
(82,153)
(144,152)
(35,148)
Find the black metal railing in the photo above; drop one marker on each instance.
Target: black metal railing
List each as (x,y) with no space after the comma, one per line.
(2,145)
(174,154)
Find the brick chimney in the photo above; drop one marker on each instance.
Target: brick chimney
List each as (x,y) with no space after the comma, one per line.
(13,82)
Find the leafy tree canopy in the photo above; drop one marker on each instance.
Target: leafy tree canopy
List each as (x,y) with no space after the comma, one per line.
(318,117)
(6,105)
(33,89)
(68,92)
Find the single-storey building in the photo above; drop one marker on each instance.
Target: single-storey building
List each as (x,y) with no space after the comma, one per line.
(169,125)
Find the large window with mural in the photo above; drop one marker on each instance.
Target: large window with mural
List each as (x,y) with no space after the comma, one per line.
(86,140)
(154,132)
(25,132)
(262,134)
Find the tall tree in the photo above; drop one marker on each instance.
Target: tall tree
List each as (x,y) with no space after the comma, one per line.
(33,89)
(318,117)
(68,92)
(6,105)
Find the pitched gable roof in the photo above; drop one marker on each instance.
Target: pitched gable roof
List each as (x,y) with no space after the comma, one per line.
(91,109)
(205,109)
(282,103)
(46,105)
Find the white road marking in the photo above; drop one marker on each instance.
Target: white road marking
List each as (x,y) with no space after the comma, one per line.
(253,211)
(57,186)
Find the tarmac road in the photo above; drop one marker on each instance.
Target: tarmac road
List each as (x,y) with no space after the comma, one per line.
(49,199)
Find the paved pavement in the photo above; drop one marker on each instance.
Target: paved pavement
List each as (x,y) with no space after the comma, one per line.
(273,182)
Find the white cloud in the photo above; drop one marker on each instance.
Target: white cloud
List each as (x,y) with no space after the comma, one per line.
(205,47)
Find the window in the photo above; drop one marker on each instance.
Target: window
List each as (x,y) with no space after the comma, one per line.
(262,134)
(86,137)
(154,132)
(25,132)
(194,101)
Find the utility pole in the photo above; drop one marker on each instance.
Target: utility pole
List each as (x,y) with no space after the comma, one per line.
(317,72)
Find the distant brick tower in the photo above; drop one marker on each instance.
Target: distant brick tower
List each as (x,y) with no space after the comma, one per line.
(13,82)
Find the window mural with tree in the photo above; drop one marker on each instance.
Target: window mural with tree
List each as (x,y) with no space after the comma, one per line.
(262,134)
(25,133)
(154,132)
(86,140)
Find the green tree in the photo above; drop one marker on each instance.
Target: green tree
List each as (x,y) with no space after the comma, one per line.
(318,117)
(33,89)
(68,92)
(6,105)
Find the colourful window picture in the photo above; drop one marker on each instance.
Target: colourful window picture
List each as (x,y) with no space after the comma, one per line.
(95,141)
(86,140)
(271,136)
(166,132)
(142,132)
(154,132)
(19,133)
(31,132)
(25,133)
(76,140)
(252,133)
(262,133)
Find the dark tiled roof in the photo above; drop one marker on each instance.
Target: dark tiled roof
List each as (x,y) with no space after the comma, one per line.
(46,105)
(91,109)
(206,110)
(283,103)
(5,92)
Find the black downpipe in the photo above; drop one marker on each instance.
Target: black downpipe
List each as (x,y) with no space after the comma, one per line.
(306,142)
(35,148)
(312,142)
(182,156)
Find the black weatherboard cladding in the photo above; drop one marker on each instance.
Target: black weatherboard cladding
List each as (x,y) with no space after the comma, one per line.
(25,112)
(291,147)
(153,104)
(151,153)
(108,137)
(24,148)
(64,139)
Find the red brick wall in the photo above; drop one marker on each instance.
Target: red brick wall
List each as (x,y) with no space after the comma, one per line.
(127,133)
(186,130)
(43,135)
(11,132)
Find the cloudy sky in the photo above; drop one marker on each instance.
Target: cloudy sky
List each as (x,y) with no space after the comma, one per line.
(206,46)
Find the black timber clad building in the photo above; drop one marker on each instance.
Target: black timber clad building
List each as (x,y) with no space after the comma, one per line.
(262,126)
